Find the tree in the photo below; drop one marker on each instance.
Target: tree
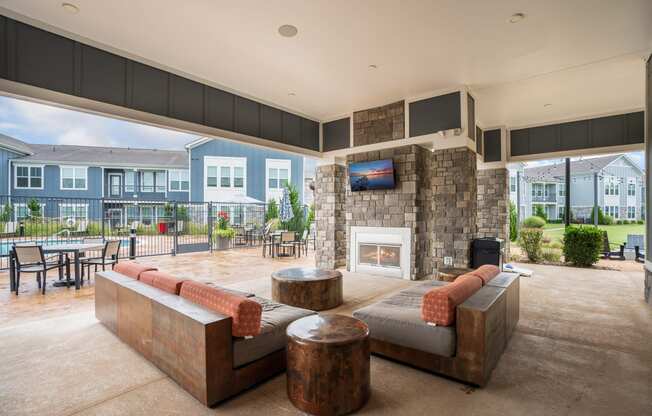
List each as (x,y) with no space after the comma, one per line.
(7,213)
(297,223)
(34,209)
(272,210)
(513,222)
(540,212)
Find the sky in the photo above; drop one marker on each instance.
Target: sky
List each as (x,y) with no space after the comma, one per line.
(44,124)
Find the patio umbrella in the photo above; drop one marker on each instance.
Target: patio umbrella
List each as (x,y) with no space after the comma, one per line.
(285,213)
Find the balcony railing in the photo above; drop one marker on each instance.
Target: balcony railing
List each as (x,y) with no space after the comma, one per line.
(544,198)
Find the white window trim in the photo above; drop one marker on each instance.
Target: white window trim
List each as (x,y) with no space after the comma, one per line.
(29,180)
(155,185)
(73,205)
(24,204)
(73,167)
(280,164)
(220,162)
(122,184)
(178,171)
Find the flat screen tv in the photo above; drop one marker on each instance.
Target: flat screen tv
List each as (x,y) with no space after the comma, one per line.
(366,176)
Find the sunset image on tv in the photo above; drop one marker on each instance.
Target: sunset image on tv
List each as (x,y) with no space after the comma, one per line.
(378,174)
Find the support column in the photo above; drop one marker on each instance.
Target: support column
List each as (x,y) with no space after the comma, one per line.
(648,181)
(454,205)
(330,218)
(493,204)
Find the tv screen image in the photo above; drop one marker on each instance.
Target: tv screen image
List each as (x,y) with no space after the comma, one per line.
(366,176)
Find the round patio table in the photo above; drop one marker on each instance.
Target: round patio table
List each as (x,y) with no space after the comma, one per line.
(308,287)
(328,364)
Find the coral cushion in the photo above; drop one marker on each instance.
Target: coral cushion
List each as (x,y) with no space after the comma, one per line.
(162,281)
(245,312)
(486,272)
(131,269)
(440,303)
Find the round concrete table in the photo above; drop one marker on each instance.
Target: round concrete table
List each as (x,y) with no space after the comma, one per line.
(328,364)
(307,287)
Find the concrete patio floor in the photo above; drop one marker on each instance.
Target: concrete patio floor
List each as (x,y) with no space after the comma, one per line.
(582,347)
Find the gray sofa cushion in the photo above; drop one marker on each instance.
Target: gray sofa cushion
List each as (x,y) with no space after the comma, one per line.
(423,287)
(275,319)
(397,320)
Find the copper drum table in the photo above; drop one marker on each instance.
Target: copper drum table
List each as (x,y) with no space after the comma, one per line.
(328,364)
(308,288)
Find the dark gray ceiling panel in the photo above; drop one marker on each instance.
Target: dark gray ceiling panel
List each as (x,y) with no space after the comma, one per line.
(635,127)
(186,99)
(103,76)
(310,134)
(544,139)
(519,142)
(44,59)
(435,114)
(149,89)
(574,135)
(492,146)
(220,109)
(337,134)
(247,116)
(607,131)
(291,129)
(4,73)
(271,123)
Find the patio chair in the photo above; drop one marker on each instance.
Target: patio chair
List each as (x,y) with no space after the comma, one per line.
(30,259)
(287,241)
(82,228)
(637,243)
(606,250)
(109,257)
(302,243)
(267,241)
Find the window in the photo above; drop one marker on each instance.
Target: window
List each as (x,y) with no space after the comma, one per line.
(560,212)
(537,189)
(631,187)
(238,177)
(278,178)
(612,211)
(130,181)
(611,186)
(512,184)
(178,180)
(76,212)
(631,213)
(73,177)
(561,189)
(29,177)
(153,181)
(225,176)
(22,212)
(211,176)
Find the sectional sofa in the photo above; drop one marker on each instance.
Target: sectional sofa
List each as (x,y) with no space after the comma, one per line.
(457,329)
(212,341)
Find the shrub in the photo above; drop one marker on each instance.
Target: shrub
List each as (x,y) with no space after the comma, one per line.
(297,223)
(555,244)
(540,212)
(619,222)
(640,222)
(534,222)
(552,255)
(513,222)
(225,233)
(608,220)
(272,210)
(530,240)
(582,245)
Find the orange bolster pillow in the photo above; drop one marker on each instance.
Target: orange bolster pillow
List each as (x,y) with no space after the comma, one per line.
(440,303)
(162,281)
(486,272)
(131,269)
(245,312)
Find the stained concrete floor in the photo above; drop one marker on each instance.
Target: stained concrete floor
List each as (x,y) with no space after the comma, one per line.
(583,346)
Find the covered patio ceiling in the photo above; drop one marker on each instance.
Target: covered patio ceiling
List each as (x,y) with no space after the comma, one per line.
(582,57)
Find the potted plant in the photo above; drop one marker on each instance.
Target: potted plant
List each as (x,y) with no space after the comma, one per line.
(223,233)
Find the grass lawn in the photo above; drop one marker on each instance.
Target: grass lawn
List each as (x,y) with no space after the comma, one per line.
(617,233)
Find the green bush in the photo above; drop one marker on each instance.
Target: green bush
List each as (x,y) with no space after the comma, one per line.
(225,233)
(530,239)
(640,222)
(534,222)
(555,244)
(272,210)
(540,212)
(298,222)
(608,220)
(513,222)
(619,222)
(582,245)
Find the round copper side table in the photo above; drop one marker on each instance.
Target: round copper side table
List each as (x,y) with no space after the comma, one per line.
(328,364)
(308,288)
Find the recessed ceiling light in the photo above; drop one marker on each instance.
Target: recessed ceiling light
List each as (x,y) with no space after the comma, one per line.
(373,66)
(291,94)
(516,17)
(288,31)
(70,8)
(547,105)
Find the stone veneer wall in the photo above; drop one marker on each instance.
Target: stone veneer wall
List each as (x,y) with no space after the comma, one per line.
(647,290)
(453,205)
(330,182)
(391,207)
(493,204)
(379,124)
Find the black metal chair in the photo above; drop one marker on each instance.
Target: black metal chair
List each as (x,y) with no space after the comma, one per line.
(30,259)
(302,243)
(607,253)
(267,241)
(288,240)
(110,254)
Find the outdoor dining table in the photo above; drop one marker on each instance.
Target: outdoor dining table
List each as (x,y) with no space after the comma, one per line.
(61,248)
